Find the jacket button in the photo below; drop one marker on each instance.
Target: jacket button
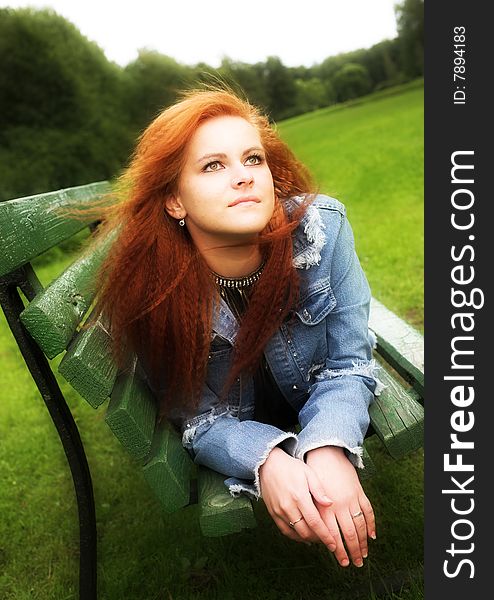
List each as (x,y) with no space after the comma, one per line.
(295,387)
(307,314)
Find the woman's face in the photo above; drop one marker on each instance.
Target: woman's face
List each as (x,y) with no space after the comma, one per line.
(225,190)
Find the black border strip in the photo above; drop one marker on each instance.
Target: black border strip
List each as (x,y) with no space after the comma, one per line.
(456,545)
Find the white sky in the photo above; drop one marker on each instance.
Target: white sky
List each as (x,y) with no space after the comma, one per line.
(299,32)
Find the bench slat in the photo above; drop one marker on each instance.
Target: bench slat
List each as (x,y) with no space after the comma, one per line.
(88,364)
(397,417)
(31,225)
(399,344)
(131,414)
(221,513)
(169,468)
(54,315)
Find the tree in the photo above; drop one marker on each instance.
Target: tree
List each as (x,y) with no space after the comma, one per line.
(410,25)
(248,78)
(382,62)
(153,83)
(61,117)
(311,95)
(280,88)
(351,81)
(329,66)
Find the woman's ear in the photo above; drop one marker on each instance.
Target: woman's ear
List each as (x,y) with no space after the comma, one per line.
(174,207)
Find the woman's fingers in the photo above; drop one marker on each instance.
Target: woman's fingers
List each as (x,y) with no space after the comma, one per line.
(340,551)
(316,488)
(360,524)
(297,529)
(370,520)
(308,526)
(301,532)
(303,522)
(315,525)
(287,530)
(344,533)
(351,536)
(356,525)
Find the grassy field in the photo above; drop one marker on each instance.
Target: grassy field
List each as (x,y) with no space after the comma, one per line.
(368,155)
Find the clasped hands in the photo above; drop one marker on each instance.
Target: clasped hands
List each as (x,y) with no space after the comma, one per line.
(319,500)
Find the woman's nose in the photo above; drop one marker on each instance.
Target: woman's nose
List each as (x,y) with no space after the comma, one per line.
(242,178)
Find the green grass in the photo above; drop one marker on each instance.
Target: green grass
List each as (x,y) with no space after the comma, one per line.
(369,155)
(144,554)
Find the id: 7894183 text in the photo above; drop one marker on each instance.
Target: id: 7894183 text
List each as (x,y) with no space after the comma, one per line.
(459,67)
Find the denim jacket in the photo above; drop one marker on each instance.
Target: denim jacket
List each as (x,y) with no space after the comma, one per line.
(321,361)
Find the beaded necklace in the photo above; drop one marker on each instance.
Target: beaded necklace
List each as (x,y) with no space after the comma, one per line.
(236,290)
(239,282)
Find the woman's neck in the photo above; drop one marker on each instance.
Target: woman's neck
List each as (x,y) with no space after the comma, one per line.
(233,261)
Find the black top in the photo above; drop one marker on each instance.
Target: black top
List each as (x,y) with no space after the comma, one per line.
(270,405)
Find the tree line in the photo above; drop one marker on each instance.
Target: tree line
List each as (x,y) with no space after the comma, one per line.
(69,116)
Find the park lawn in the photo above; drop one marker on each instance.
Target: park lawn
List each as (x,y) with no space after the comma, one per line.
(145,554)
(369,155)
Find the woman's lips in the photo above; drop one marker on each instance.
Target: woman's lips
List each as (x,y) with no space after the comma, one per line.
(243,199)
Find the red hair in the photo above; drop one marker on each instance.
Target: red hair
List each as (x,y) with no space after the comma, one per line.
(156,289)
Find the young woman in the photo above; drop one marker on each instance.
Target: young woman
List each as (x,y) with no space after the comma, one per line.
(242,295)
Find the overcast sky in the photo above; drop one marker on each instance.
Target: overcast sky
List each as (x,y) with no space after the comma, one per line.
(299,32)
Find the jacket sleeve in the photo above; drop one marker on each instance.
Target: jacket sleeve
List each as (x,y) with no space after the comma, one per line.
(220,441)
(336,412)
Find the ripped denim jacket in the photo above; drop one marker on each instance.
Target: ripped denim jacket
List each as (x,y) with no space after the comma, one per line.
(321,362)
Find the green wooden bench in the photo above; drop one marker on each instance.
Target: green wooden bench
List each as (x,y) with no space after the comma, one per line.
(49,324)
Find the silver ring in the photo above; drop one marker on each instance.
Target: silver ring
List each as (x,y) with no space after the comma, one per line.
(293,523)
(357,514)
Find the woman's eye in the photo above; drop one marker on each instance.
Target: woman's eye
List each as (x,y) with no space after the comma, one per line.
(212,166)
(254,159)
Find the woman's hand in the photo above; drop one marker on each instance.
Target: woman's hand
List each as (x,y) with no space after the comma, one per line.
(289,488)
(350,516)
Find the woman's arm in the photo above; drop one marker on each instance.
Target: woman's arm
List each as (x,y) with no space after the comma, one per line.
(335,417)
(336,411)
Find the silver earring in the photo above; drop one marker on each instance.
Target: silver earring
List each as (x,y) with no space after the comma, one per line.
(181,222)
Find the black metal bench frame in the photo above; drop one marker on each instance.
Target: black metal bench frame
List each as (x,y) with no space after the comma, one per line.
(11,302)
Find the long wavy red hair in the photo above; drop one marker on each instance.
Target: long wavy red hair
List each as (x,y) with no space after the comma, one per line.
(155,288)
